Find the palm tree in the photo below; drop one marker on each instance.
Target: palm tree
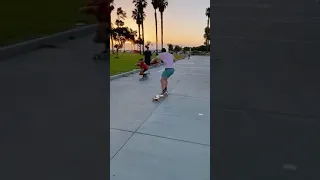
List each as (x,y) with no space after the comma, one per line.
(132,38)
(155,4)
(141,5)
(207,37)
(136,16)
(111,25)
(121,15)
(163,4)
(208,23)
(111,37)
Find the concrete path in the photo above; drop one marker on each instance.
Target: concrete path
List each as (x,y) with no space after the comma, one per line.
(162,140)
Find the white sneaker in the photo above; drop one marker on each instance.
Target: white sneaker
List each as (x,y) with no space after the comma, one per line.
(162,94)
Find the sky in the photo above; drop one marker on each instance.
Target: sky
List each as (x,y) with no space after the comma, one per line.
(183,21)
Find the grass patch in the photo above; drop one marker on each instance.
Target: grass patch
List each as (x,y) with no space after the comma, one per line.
(24,20)
(126,62)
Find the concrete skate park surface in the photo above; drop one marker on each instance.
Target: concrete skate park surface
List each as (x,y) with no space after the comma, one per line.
(162,140)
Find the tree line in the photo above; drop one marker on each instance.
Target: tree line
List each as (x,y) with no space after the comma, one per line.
(177,48)
(120,34)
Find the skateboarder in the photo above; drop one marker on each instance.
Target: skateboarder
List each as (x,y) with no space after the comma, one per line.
(168,60)
(101,9)
(143,68)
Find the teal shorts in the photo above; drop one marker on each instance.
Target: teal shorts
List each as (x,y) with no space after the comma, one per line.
(167,72)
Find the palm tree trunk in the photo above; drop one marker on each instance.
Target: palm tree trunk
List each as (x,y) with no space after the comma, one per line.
(110,34)
(139,30)
(161,15)
(207,41)
(112,44)
(142,36)
(139,36)
(155,18)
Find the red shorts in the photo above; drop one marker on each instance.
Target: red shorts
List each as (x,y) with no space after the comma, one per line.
(145,68)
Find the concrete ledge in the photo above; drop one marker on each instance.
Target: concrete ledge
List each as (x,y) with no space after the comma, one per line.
(117,76)
(123,74)
(27,46)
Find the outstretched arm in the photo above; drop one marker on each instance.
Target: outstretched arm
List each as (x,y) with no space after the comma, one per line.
(174,59)
(154,60)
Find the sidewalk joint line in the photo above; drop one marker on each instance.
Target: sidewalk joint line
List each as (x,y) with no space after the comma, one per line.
(163,137)
(122,130)
(182,95)
(172,139)
(269,112)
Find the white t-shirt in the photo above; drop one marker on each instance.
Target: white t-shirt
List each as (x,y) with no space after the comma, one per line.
(167,59)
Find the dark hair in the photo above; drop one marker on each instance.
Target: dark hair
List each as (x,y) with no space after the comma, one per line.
(163,50)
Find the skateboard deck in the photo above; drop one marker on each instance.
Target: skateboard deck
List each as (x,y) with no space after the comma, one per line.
(157,97)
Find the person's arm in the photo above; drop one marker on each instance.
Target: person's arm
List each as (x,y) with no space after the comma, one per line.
(174,59)
(155,59)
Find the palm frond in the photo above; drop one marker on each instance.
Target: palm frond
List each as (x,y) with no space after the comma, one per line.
(163,4)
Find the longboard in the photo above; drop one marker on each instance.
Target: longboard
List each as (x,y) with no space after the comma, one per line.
(157,97)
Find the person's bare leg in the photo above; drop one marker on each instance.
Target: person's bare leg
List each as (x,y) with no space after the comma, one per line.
(166,83)
(162,82)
